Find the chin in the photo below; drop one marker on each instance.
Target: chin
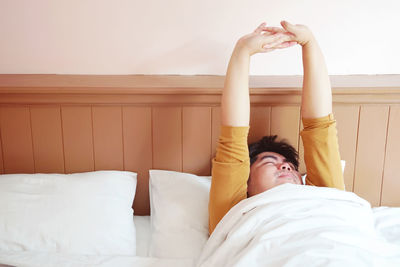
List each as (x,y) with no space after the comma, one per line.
(287,182)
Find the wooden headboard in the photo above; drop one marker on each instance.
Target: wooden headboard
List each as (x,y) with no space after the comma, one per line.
(78,123)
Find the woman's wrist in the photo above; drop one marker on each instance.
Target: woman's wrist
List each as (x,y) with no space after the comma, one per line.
(310,42)
(241,51)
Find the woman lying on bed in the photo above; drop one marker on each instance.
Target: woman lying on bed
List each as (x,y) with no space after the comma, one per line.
(279,220)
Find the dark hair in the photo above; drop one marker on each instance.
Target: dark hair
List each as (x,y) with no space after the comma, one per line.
(269,144)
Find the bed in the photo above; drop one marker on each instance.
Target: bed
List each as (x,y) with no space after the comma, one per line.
(127,129)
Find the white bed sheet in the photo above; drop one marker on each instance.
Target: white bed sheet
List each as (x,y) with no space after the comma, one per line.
(142,225)
(36,259)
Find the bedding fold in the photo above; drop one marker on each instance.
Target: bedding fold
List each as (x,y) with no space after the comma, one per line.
(297,225)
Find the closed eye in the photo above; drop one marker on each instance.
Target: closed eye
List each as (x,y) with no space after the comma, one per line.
(267,161)
(271,159)
(292,166)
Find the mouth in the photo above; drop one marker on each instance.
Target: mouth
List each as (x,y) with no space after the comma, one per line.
(286,175)
(290,176)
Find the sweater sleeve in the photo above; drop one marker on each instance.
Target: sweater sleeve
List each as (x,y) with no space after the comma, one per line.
(321,152)
(230,171)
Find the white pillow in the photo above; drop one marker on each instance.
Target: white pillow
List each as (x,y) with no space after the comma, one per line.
(82,213)
(179,214)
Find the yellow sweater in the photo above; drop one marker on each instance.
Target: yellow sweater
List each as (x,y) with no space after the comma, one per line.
(231,165)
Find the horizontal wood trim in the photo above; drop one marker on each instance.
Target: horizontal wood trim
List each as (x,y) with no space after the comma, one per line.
(176,98)
(194,81)
(287,91)
(184,90)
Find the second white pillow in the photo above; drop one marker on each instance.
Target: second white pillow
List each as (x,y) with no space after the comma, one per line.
(179,214)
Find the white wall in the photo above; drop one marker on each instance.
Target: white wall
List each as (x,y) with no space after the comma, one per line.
(190,37)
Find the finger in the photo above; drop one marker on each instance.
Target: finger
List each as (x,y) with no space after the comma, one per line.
(277,37)
(277,42)
(285,45)
(285,36)
(269,37)
(287,26)
(272,45)
(266,50)
(274,29)
(289,43)
(268,33)
(260,27)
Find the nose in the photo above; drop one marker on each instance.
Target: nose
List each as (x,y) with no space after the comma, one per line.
(285,166)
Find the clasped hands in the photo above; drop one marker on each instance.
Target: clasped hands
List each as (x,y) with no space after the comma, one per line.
(266,39)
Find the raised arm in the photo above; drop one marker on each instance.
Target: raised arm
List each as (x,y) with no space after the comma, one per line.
(317,93)
(235,107)
(321,150)
(235,104)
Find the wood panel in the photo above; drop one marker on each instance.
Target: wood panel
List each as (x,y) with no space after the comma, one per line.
(167,138)
(138,152)
(47,139)
(1,149)
(285,123)
(78,138)
(370,152)
(215,128)
(260,123)
(347,127)
(17,140)
(391,177)
(197,140)
(107,138)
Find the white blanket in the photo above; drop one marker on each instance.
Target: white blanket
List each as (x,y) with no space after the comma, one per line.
(297,225)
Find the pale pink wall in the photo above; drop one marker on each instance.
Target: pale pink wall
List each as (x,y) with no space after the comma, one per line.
(190,37)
